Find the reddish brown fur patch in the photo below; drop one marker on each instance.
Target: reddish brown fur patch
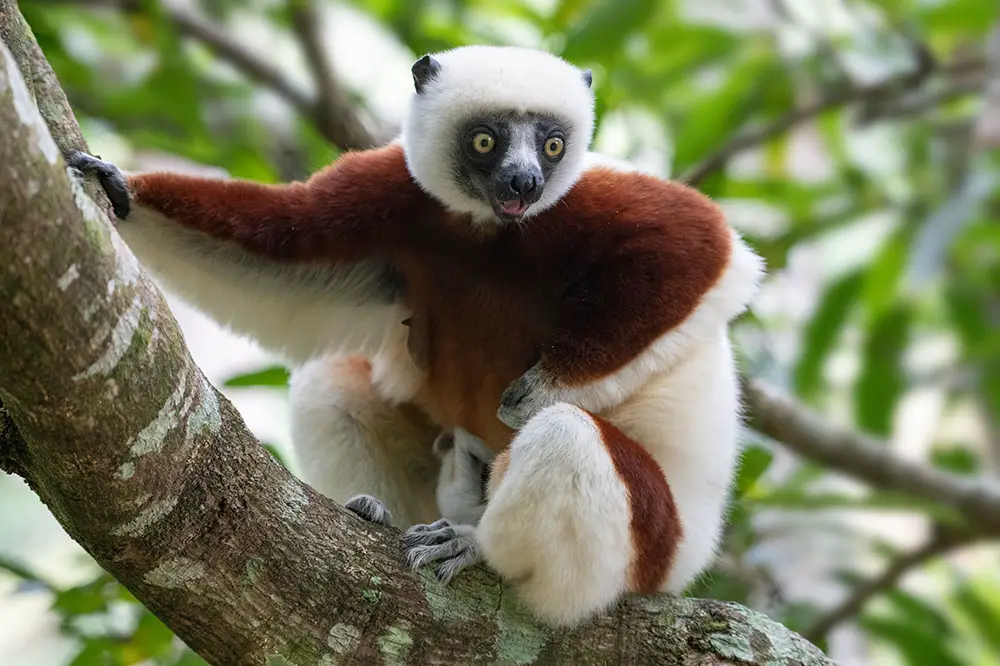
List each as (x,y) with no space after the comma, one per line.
(350,210)
(584,287)
(656,528)
(498,468)
(656,248)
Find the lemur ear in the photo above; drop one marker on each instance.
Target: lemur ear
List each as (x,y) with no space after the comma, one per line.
(588,77)
(424,71)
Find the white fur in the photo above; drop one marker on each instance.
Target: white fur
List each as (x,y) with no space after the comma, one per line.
(484,78)
(295,310)
(558,523)
(689,421)
(459,489)
(348,441)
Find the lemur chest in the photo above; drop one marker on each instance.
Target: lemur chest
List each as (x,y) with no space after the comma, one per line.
(478,323)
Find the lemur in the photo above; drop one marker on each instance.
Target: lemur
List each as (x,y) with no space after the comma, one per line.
(486,286)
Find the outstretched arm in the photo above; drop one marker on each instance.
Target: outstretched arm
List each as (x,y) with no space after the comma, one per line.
(300,267)
(667,273)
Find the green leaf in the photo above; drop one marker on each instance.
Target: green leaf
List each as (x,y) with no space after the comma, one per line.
(273,450)
(967,311)
(918,612)
(755,461)
(956,459)
(823,331)
(273,376)
(918,647)
(882,381)
(98,652)
(752,84)
(151,639)
(983,614)
(882,280)
(82,599)
(604,29)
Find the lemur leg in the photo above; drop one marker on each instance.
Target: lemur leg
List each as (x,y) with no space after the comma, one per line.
(360,451)
(461,496)
(578,513)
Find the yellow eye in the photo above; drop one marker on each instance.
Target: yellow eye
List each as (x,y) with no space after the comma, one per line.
(553,146)
(483,142)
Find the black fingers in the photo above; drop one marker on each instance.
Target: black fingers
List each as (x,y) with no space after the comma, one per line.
(369,508)
(428,537)
(111,178)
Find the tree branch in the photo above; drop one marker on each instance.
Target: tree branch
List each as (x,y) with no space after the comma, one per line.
(842,95)
(153,472)
(333,117)
(939,544)
(335,114)
(803,431)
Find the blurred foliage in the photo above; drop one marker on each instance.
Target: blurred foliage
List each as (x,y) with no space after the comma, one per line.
(904,197)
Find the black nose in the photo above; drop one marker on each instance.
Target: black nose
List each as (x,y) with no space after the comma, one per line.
(523,184)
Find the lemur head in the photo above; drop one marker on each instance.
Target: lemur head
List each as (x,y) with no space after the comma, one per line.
(498,132)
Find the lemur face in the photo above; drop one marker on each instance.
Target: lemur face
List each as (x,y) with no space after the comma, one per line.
(499,133)
(505,159)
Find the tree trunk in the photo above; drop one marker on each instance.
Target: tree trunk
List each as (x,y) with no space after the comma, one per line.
(153,472)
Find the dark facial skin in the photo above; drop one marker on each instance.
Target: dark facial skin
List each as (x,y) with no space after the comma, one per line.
(506,159)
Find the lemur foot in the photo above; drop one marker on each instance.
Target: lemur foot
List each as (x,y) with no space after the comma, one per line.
(526,396)
(456,545)
(111,178)
(369,508)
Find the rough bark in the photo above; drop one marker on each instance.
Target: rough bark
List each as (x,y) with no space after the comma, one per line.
(153,472)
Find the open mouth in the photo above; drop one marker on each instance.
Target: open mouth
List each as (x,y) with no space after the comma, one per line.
(512,209)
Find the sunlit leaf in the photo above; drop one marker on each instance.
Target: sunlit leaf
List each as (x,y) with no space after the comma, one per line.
(918,647)
(956,459)
(755,461)
(882,380)
(605,27)
(273,376)
(983,612)
(823,330)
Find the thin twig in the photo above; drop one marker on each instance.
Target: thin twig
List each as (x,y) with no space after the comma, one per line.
(335,114)
(800,429)
(842,95)
(937,545)
(916,106)
(237,55)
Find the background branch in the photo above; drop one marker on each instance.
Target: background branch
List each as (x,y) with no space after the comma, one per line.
(942,542)
(805,432)
(335,114)
(841,95)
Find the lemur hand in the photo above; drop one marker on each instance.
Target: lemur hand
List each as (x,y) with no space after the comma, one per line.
(369,508)
(526,396)
(456,545)
(111,178)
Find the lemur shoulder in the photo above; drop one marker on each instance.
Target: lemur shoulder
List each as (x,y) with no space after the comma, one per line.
(487,277)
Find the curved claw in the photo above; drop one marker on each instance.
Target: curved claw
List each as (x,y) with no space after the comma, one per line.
(111,178)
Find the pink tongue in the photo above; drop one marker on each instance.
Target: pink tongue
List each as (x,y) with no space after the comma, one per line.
(515,207)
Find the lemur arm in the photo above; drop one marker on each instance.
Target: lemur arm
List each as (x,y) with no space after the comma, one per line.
(300,267)
(664,272)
